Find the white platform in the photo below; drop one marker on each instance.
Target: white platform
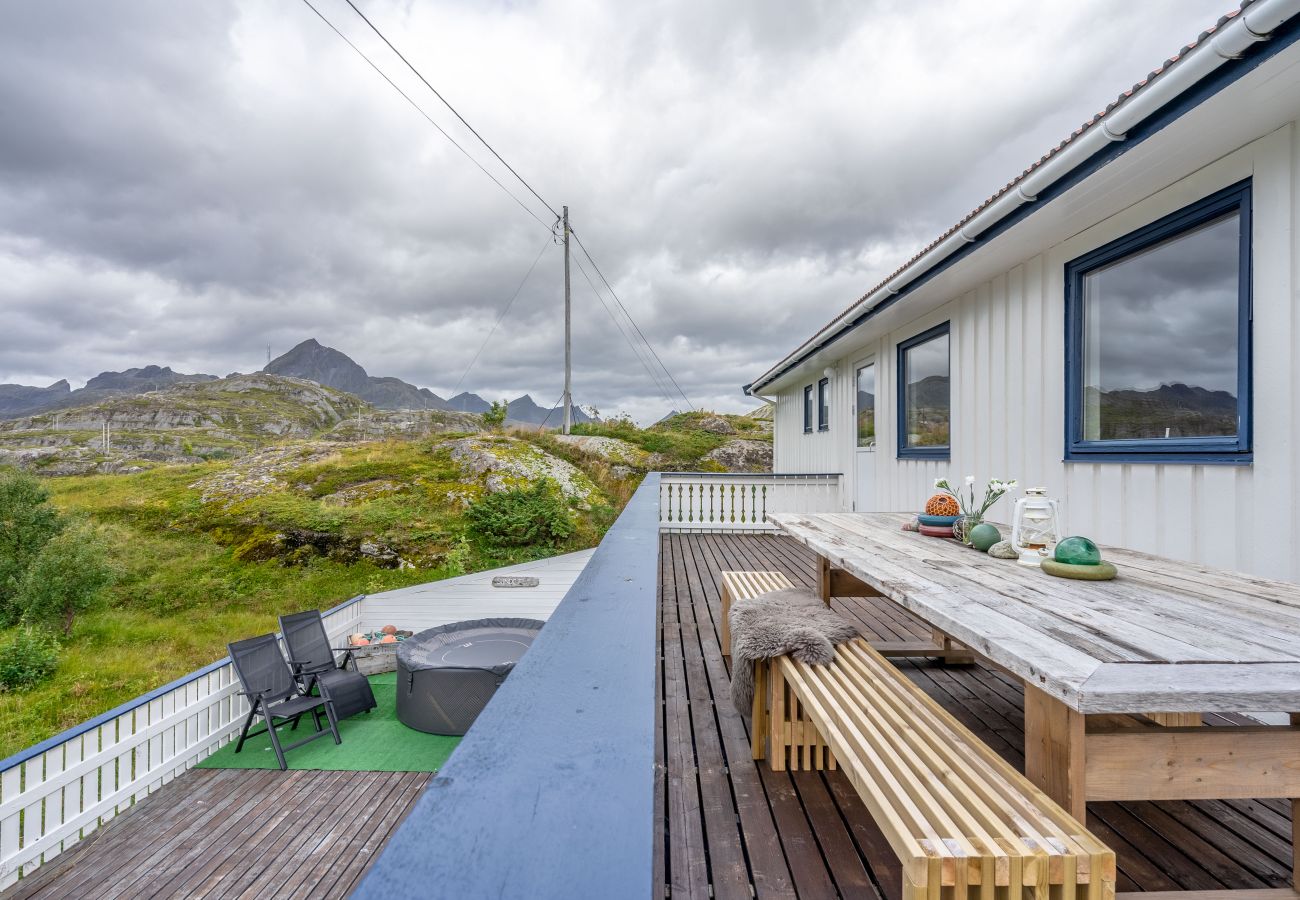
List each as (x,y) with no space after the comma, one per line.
(473,596)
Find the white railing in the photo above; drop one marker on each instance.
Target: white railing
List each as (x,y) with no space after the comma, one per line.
(704,501)
(61,790)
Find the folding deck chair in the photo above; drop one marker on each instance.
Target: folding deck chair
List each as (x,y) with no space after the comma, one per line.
(275,694)
(313,663)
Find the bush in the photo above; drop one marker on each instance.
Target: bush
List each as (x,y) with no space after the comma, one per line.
(495,416)
(65,578)
(30,656)
(27,523)
(520,517)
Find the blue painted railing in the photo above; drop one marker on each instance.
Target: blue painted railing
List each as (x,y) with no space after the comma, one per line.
(551,794)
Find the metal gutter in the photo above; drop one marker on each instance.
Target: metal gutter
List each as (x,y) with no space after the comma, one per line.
(1092,148)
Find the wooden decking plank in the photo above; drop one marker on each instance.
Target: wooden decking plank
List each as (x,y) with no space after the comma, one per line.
(807,869)
(322,796)
(369,851)
(729,874)
(768,869)
(687,850)
(836,842)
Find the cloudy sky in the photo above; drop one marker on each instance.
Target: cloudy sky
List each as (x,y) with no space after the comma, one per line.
(186,183)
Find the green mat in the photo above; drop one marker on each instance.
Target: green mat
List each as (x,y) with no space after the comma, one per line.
(372,742)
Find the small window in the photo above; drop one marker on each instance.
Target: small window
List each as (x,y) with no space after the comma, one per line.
(866,406)
(1158,323)
(807,409)
(824,405)
(924,394)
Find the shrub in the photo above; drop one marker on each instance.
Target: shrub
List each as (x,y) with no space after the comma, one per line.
(30,656)
(523,516)
(495,416)
(27,523)
(65,578)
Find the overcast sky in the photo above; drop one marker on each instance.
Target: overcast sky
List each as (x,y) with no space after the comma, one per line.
(186,183)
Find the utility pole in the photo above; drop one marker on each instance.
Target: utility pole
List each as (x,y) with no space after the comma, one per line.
(568,332)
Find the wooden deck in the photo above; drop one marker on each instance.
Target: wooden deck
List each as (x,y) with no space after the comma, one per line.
(734,829)
(237,833)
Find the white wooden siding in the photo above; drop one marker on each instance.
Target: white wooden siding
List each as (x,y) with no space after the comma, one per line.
(1008,388)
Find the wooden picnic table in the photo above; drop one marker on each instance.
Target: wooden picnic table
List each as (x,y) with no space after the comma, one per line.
(1116,674)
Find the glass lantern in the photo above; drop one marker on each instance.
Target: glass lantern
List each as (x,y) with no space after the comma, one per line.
(1035,526)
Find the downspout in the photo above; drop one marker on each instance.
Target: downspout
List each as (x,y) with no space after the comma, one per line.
(1252,25)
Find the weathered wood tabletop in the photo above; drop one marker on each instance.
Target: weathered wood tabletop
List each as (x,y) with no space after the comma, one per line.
(1164,635)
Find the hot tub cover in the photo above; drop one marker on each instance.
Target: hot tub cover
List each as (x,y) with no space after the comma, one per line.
(446,675)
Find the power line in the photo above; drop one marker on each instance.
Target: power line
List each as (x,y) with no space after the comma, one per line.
(420,110)
(659,383)
(649,346)
(419,75)
(501,317)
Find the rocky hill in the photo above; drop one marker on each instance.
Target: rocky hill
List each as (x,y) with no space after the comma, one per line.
(22,400)
(332,368)
(192,422)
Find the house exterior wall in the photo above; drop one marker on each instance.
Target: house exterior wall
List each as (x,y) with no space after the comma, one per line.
(1008,395)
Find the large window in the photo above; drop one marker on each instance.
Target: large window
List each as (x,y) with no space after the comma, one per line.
(807,409)
(1158,327)
(924,395)
(866,405)
(824,405)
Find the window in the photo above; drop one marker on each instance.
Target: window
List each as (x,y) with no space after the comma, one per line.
(807,410)
(824,405)
(1158,340)
(924,395)
(866,405)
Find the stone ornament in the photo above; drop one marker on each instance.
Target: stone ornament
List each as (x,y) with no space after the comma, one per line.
(515,581)
(1003,550)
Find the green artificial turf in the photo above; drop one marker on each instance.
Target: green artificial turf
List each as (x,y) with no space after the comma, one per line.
(372,742)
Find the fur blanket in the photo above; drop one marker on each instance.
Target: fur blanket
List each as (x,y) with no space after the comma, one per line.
(789,621)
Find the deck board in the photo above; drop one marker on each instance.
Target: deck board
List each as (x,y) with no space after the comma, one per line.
(215,833)
(808,834)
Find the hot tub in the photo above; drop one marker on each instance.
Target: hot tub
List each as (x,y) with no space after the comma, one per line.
(446,675)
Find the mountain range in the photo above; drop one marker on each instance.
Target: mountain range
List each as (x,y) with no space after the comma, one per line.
(310,360)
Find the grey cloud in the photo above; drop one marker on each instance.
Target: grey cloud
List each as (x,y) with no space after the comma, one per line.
(186,183)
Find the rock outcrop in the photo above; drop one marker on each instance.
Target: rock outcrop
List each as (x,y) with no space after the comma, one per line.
(501,463)
(743,456)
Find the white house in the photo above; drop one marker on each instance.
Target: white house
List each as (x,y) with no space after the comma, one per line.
(1120,324)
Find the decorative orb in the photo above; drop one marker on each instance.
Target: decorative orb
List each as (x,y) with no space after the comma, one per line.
(1078,551)
(983,536)
(942,505)
(389,629)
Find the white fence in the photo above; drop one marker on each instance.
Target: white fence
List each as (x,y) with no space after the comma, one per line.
(695,501)
(61,790)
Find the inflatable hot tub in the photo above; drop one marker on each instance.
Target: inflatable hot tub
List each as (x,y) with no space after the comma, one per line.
(446,675)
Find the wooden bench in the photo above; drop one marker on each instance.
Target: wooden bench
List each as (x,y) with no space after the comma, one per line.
(962,821)
(834,583)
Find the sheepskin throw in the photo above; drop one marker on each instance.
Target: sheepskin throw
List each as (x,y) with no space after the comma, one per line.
(789,621)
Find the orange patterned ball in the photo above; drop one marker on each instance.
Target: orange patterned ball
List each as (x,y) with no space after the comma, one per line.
(941,505)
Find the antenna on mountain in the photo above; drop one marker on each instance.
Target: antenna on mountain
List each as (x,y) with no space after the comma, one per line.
(568,332)
(268,354)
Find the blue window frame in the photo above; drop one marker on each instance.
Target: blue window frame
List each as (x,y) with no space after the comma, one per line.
(925,395)
(807,409)
(824,405)
(1158,340)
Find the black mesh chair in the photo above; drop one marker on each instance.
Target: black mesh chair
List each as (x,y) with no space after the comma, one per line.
(313,663)
(275,694)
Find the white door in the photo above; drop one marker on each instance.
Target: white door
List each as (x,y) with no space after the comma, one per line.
(864,454)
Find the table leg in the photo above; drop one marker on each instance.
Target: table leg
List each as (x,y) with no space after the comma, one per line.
(824,579)
(1295,829)
(1054,750)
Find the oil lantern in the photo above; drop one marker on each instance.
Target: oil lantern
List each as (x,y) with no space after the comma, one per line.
(1035,526)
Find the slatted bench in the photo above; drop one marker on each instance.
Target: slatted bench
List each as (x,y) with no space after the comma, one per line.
(963,822)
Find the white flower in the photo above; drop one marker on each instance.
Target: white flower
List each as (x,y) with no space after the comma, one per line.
(938,482)
(970,479)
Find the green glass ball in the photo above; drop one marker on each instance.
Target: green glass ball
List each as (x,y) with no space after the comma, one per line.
(983,536)
(1078,551)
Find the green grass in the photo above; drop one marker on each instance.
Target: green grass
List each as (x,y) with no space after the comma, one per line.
(371,742)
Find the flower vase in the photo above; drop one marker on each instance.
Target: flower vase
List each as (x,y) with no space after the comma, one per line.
(964,525)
